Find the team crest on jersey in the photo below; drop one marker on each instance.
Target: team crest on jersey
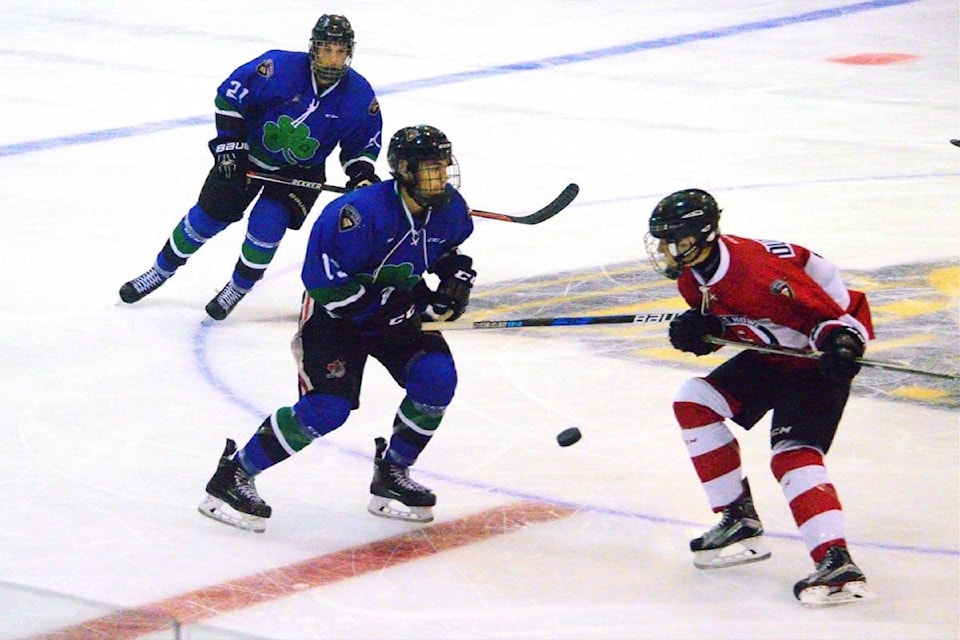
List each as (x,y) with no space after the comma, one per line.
(336,369)
(265,68)
(349,218)
(374,107)
(399,276)
(291,138)
(781,288)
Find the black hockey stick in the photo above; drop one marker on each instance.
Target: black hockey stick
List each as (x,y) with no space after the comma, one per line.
(815,355)
(639,318)
(559,203)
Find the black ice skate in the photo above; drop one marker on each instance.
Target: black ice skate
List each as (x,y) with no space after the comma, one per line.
(142,285)
(735,540)
(392,484)
(225,301)
(233,487)
(837,580)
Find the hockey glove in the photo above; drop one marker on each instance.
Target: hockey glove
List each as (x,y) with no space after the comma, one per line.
(396,320)
(230,159)
(456,274)
(688,331)
(360,174)
(840,348)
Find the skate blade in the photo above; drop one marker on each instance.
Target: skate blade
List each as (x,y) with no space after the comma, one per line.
(385,508)
(743,552)
(827,595)
(217,509)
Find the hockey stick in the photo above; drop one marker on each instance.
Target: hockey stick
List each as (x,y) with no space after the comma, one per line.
(640,318)
(561,202)
(815,355)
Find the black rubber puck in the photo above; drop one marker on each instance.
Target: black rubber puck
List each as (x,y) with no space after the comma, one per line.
(568,437)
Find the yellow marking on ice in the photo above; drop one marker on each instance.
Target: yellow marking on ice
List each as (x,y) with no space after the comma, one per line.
(946,280)
(911,308)
(576,278)
(562,300)
(919,393)
(671,304)
(908,341)
(866,284)
(671,354)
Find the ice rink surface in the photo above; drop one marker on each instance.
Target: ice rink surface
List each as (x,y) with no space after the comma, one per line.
(822,123)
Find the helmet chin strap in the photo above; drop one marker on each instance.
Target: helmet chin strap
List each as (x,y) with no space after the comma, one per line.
(692,255)
(686,258)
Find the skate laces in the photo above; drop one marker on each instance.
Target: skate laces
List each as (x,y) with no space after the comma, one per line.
(148,281)
(401,477)
(246,486)
(739,521)
(837,564)
(229,296)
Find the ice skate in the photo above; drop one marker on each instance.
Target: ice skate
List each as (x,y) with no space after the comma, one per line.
(735,540)
(224,302)
(142,285)
(837,580)
(392,486)
(232,496)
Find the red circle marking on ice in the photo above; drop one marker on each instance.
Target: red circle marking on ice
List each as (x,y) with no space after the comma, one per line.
(875,58)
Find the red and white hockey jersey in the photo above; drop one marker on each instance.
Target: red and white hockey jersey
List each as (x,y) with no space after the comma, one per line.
(776,293)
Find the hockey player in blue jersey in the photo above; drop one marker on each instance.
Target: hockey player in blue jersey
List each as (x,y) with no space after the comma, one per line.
(365,296)
(282,112)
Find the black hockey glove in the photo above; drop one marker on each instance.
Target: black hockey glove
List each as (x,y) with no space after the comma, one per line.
(456,274)
(396,320)
(688,331)
(230,159)
(361,175)
(840,348)
(421,295)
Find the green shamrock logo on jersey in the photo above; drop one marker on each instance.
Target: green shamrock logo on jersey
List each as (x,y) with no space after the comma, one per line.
(293,140)
(400,276)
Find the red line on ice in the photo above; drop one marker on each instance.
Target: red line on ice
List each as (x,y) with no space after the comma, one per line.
(248,591)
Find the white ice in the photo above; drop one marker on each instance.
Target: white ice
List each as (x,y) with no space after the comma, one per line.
(114,415)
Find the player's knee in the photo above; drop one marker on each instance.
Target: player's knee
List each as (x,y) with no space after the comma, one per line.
(699,397)
(268,221)
(432,379)
(321,412)
(202,225)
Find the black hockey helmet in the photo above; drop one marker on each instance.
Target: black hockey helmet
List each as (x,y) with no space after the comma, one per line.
(417,144)
(691,215)
(330,28)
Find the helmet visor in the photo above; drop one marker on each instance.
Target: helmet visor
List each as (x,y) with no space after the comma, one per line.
(330,59)
(660,251)
(434,179)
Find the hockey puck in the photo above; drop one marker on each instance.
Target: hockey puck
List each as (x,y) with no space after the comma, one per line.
(955,143)
(568,437)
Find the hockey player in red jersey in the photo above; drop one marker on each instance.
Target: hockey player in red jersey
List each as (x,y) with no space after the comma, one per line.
(768,293)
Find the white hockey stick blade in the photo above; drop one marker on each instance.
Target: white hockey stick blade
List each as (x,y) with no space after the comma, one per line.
(387,508)
(743,552)
(825,595)
(217,509)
